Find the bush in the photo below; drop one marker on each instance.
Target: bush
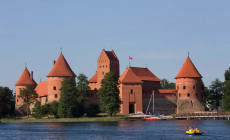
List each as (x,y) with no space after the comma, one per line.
(92,110)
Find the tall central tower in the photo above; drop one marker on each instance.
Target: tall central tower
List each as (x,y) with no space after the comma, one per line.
(107,62)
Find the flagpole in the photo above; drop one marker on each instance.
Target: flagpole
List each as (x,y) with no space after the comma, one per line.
(129,62)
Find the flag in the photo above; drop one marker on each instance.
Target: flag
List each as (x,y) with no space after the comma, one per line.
(130,58)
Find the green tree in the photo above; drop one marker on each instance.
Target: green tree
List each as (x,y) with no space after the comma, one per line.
(69,106)
(6,102)
(54,109)
(109,94)
(29,96)
(166,85)
(206,98)
(40,111)
(83,89)
(216,92)
(36,111)
(226,90)
(92,110)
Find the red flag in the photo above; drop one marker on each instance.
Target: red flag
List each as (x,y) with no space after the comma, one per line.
(130,58)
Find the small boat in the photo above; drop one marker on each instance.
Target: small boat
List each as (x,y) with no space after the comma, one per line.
(193,132)
(155,118)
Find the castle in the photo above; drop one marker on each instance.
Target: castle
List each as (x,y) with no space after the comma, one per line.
(136,85)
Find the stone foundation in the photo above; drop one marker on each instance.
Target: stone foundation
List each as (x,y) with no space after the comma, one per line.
(189,106)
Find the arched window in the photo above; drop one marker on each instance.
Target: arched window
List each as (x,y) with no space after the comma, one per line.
(184,87)
(54,88)
(179,95)
(55,95)
(103,73)
(194,87)
(188,95)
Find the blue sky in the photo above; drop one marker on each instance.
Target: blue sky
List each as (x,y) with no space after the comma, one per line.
(156,33)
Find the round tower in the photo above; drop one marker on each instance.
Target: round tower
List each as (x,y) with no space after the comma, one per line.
(59,72)
(25,79)
(189,87)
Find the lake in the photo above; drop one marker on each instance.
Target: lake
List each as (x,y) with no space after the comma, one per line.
(125,130)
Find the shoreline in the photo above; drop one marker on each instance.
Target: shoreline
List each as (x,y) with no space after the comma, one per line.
(67,120)
(80,119)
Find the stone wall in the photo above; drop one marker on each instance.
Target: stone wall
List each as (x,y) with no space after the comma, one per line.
(20,110)
(189,106)
(166,106)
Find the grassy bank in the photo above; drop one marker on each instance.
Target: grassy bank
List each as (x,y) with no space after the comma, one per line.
(81,119)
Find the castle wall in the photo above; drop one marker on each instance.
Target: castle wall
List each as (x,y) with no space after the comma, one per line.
(148,87)
(163,104)
(18,101)
(131,97)
(43,100)
(189,106)
(93,86)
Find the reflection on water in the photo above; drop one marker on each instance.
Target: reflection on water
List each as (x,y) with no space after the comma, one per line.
(115,130)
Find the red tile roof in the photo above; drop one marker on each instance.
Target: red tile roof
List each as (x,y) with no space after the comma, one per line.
(25,79)
(61,68)
(129,77)
(144,74)
(42,89)
(112,56)
(93,79)
(188,70)
(167,91)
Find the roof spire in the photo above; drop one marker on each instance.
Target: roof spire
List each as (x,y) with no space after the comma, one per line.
(188,53)
(25,65)
(61,49)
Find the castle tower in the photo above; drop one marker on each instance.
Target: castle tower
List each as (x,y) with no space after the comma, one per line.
(25,79)
(107,62)
(60,71)
(189,87)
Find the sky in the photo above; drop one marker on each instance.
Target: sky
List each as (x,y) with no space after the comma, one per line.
(155,33)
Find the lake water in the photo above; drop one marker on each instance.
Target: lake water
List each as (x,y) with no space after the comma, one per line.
(125,130)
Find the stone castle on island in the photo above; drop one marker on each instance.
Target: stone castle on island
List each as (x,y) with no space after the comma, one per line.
(136,85)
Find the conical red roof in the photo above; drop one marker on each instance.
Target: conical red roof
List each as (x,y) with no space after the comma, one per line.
(188,70)
(25,79)
(129,77)
(61,68)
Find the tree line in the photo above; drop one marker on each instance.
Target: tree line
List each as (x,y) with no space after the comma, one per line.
(218,93)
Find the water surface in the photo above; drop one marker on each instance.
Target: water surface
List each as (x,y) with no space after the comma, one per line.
(125,130)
